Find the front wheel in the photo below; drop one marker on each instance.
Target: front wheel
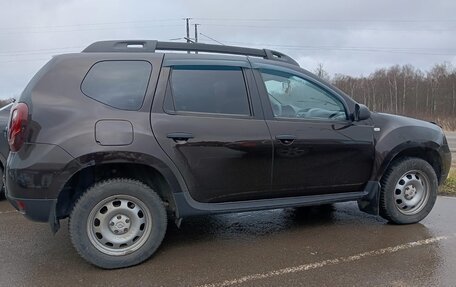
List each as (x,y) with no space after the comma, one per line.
(409,191)
(117,223)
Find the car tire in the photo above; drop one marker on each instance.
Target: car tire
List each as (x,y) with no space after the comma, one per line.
(409,191)
(117,223)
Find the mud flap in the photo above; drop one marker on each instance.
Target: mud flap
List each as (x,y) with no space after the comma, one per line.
(53,220)
(370,202)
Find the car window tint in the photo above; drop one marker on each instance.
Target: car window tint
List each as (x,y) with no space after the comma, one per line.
(119,84)
(209,89)
(294,97)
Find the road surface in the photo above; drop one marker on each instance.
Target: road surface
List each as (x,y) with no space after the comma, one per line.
(326,246)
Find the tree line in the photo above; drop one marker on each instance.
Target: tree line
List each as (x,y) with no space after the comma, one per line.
(405,90)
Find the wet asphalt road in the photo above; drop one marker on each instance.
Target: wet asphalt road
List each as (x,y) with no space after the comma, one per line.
(320,246)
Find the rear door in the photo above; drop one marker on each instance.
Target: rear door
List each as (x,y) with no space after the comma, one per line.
(317,149)
(208,119)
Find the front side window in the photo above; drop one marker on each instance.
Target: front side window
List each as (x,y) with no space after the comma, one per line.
(294,97)
(119,84)
(209,89)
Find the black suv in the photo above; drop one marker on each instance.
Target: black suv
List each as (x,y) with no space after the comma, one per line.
(4,147)
(119,137)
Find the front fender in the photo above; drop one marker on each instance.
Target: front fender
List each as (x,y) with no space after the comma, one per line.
(399,134)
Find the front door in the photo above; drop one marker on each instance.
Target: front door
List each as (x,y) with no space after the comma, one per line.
(317,149)
(213,130)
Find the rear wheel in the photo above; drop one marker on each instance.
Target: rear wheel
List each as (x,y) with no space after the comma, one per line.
(118,223)
(409,191)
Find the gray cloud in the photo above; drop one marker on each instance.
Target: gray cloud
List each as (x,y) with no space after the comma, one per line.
(349,37)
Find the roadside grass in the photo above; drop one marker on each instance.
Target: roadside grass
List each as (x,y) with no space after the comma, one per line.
(449,187)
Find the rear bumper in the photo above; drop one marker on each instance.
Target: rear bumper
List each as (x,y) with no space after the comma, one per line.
(38,171)
(41,210)
(34,177)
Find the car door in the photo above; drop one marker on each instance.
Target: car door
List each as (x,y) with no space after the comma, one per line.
(210,123)
(317,149)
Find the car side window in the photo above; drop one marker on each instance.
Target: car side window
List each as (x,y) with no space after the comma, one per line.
(119,84)
(294,97)
(208,89)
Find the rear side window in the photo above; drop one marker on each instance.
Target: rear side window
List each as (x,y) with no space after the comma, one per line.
(209,89)
(119,84)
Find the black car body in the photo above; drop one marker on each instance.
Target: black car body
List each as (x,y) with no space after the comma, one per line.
(4,147)
(121,110)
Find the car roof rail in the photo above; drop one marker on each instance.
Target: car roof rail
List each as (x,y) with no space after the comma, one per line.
(150,46)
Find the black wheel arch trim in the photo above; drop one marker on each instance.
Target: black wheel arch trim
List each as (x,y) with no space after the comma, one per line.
(177,185)
(114,157)
(386,158)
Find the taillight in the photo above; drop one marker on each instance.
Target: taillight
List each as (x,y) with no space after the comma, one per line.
(17,126)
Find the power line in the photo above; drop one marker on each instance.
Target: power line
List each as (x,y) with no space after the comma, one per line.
(34,28)
(37,50)
(236,19)
(349,49)
(329,20)
(300,27)
(42,52)
(92,29)
(344,47)
(88,24)
(400,50)
(396,50)
(57,28)
(211,38)
(297,48)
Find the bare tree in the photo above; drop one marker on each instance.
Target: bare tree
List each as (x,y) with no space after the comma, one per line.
(320,72)
(406,90)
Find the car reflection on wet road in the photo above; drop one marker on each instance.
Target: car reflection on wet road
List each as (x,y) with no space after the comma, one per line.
(319,246)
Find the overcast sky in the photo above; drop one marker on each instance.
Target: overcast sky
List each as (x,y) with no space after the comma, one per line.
(347,36)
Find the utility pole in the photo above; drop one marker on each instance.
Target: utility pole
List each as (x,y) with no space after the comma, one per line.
(196,35)
(187,21)
(196,32)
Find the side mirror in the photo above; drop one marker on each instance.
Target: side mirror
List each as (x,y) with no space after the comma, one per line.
(361,112)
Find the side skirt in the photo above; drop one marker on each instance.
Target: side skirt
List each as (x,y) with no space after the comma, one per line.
(368,200)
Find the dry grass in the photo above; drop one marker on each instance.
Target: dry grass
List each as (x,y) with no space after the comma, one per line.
(449,187)
(447,123)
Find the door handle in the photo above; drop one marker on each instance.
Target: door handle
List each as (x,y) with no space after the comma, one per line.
(286,139)
(180,137)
